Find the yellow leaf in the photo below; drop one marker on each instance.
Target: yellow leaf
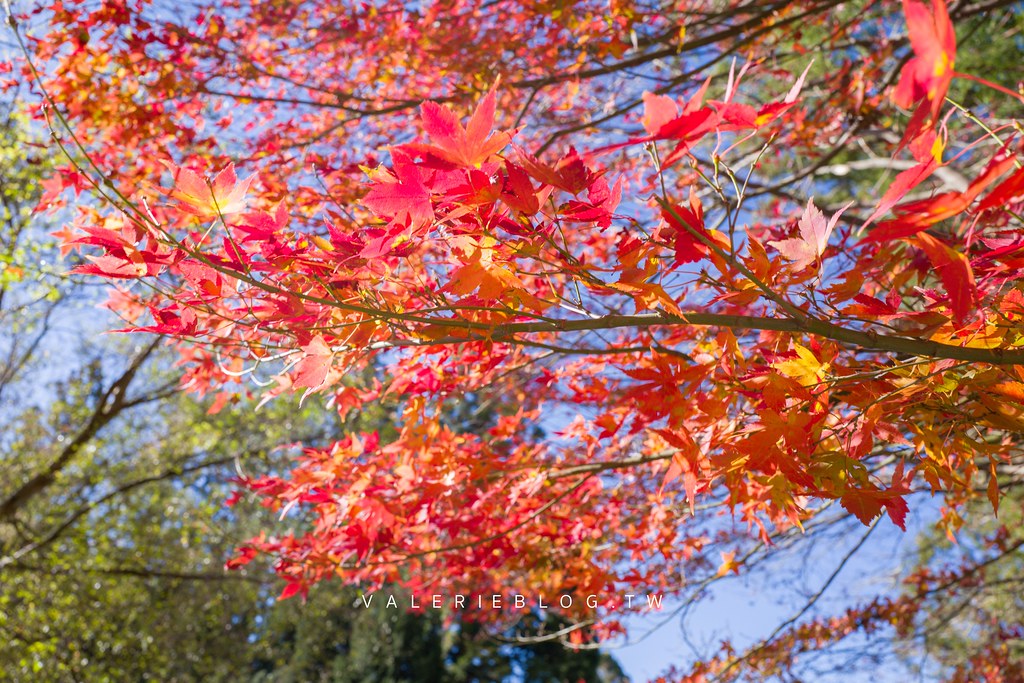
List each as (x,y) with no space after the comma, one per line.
(322,243)
(805,368)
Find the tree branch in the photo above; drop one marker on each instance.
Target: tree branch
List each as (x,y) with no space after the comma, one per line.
(867,341)
(111,403)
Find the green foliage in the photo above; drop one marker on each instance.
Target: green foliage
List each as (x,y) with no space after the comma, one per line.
(991,44)
(23,164)
(335,638)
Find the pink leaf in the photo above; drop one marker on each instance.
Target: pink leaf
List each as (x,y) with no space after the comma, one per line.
(814,234)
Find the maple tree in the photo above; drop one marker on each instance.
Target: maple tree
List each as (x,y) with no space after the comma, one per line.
(744,259)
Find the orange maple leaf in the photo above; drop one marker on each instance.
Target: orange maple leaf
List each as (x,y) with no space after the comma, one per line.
(729,564)
(198,196)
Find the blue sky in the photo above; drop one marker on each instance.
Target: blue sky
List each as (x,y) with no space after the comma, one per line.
(746,609)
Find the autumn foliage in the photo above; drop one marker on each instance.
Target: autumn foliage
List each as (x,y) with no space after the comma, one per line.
(627,229)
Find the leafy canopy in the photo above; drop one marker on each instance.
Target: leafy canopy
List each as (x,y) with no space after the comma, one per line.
(599,212)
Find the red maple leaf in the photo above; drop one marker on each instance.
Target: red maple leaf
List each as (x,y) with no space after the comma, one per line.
(467,146)
(927,76)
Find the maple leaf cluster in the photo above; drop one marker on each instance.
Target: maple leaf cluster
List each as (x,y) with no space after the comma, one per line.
(670,335)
